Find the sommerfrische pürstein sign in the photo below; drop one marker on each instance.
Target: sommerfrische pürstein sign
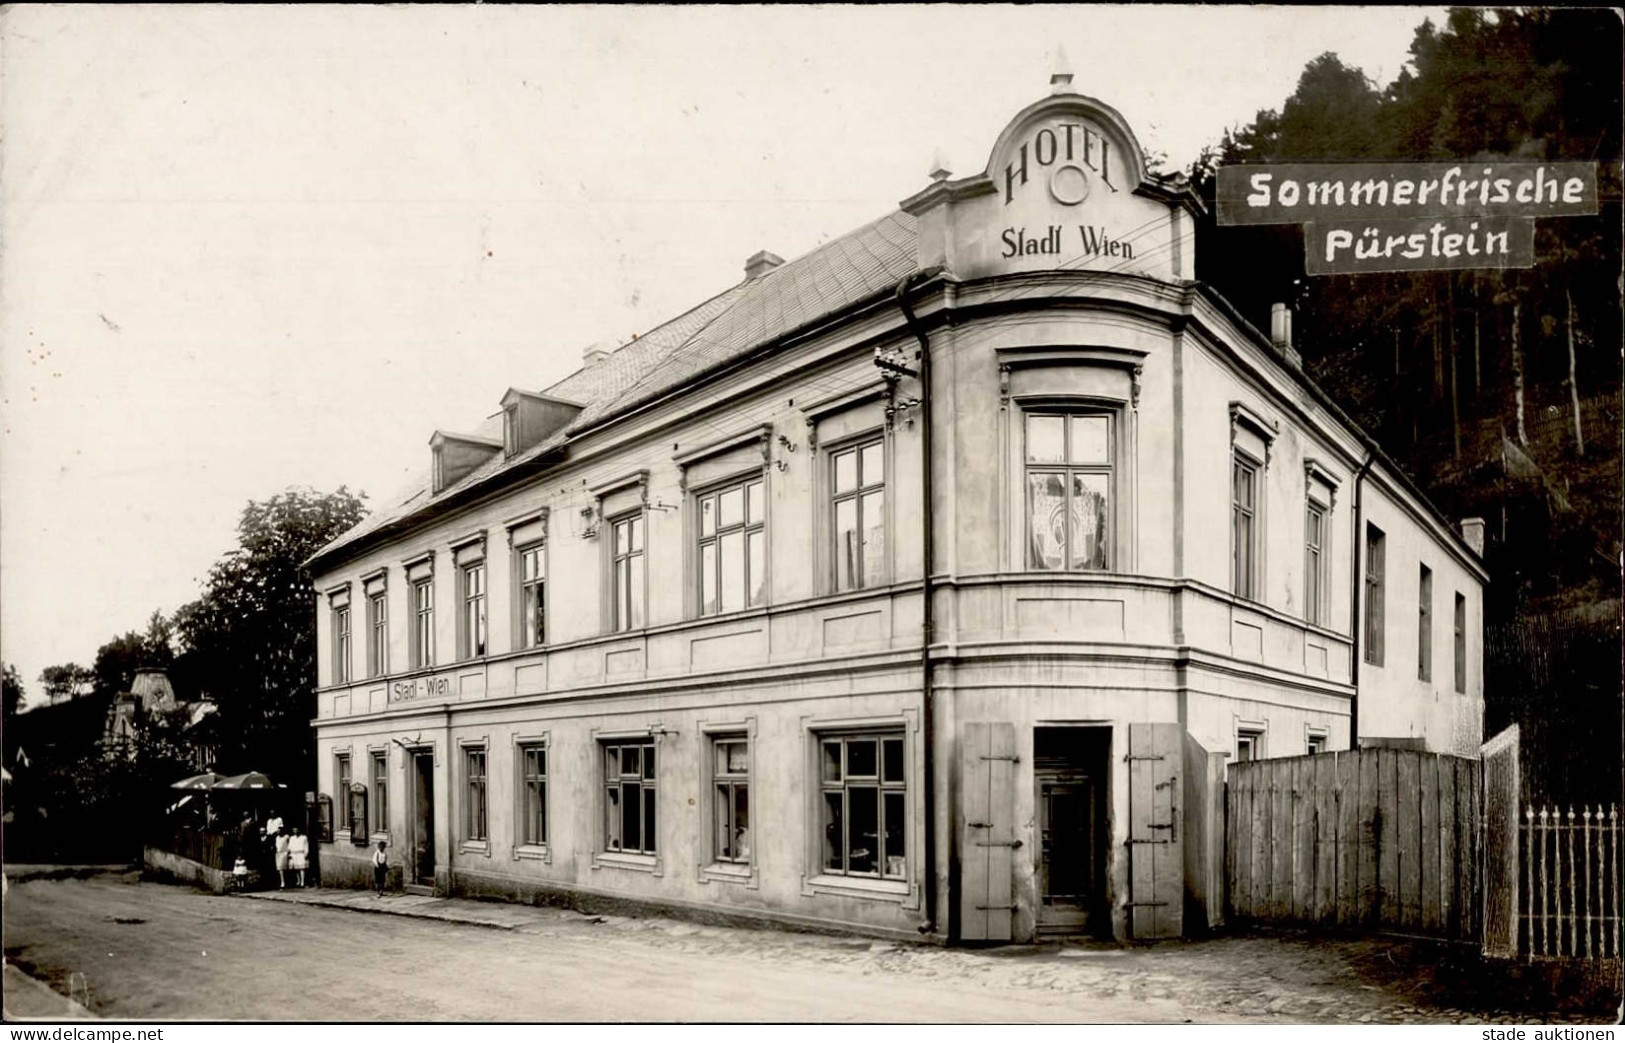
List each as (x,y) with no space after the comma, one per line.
(1385,217)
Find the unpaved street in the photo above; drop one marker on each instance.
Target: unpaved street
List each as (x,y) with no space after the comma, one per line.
(149,950)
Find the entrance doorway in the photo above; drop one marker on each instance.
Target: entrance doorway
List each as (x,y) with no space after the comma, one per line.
(1071,773)
(422,868)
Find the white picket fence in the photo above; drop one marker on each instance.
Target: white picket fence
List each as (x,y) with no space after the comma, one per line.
(1570,905)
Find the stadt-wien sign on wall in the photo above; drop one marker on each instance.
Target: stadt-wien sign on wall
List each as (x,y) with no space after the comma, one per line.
(1385,217)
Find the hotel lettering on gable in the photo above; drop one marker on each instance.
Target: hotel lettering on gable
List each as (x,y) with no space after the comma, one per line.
(736,619)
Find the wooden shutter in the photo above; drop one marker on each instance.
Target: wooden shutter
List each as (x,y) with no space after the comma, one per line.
(1156,855)
(987,842)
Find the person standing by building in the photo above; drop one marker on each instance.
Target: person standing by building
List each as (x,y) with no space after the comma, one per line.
(282,855)
(380,869)
(298,854)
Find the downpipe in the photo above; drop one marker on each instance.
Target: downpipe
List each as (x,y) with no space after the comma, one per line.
(1356,584)
(928,614)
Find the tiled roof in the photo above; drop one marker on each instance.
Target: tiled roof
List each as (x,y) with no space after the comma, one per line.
(728,326)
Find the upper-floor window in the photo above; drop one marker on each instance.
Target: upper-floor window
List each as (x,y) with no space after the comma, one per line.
(423,623)
(471,625)
(1373,595)
(732,548)
(1069,491)
(1424,624)
(858,499)
(629,796)
(1244,526)
(1314,564)
(626,573)
(1461,644)
(341,644)
(377,635)
(532,602)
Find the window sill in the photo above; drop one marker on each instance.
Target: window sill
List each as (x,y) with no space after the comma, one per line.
(730,873)
(475,847)
(535,852)
(859,887)
(622,860)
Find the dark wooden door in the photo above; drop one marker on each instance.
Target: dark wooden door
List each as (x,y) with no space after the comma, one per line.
(1068,831)
(423,819)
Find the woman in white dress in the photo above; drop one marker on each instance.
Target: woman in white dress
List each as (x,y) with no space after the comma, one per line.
(299,854)
(281,861)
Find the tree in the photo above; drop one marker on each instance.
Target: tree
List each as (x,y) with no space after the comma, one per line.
(1540,85)
(13,692)
(116,663)
(249,643)
(68,681)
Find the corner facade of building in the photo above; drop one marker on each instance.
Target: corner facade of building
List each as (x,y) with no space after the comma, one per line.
(663,639)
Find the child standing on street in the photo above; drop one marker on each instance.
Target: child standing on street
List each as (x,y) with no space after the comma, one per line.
(380,869)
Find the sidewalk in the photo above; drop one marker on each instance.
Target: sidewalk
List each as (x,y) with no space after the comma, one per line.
(28,998)
(501,916)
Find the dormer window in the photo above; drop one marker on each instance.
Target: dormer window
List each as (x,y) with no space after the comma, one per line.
(455,457)
(529,419)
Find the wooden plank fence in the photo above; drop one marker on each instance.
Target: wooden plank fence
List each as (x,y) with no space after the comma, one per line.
(1569,893)
(1381,839)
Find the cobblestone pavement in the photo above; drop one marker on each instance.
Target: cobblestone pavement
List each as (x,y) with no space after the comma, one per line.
(431,958)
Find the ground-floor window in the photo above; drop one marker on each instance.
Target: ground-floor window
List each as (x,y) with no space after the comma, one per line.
(629,796)
(730,798)
(863,803)
(1249,744)
(380,792)
(341,788)
(533,764)
(474,810)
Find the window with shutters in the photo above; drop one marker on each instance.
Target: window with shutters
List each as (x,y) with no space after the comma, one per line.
(341,787)
(380,793)
(863,805)
(732,547)
(858,514)
(630,823)
(1070,461)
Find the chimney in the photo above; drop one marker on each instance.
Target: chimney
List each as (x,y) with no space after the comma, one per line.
(1472,531)
(1281,334)
(760,263)
(594,353)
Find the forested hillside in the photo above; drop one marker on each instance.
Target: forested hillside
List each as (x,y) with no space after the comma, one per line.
(1499,392)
